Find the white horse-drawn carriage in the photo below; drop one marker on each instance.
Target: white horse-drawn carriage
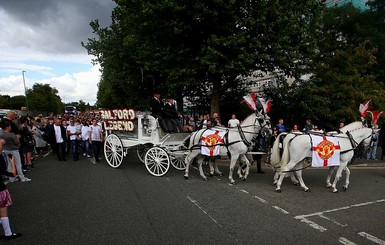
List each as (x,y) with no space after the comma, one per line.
(127,129)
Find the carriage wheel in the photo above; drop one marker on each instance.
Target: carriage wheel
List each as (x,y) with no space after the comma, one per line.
(141,151)
(178,159)
(157,161)
(113,150)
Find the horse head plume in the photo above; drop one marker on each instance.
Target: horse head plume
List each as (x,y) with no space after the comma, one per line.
(364,108)
(375,116)
(250,101)
(266,105)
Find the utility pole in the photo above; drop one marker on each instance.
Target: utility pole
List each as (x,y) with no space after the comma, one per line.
(25,91)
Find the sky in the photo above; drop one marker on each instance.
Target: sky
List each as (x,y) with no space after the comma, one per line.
(43,38)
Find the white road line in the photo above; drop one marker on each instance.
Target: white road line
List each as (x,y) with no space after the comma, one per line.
(261,199)
(303,218)
(204,211)
(371,238)
(332,220)
(342,208)
(280,209)
(244,191)
(345,241)
(312,224)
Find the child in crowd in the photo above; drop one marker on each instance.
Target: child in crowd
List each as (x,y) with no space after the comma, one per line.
(5,197)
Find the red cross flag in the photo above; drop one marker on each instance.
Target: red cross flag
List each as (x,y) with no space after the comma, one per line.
(326,151)
(211,141)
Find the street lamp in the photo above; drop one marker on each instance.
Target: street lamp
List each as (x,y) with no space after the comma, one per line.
(25,90)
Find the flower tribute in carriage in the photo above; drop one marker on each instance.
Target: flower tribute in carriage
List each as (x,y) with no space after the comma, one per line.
(118,119)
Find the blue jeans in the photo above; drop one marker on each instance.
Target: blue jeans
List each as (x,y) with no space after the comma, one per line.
(86,147)
(372,153)
(75,149)
(96,147)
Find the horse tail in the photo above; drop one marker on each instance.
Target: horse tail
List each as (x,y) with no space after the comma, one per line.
(275,151)
(286,153)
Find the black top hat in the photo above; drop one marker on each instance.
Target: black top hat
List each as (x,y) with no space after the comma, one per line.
(157,91)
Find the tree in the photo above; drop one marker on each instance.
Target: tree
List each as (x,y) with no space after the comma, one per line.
(195,44)
(43,98)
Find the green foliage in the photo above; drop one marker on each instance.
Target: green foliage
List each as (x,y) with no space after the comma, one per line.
(42,98)
(184,46)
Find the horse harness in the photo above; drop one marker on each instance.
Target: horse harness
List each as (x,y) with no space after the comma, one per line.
(226,142)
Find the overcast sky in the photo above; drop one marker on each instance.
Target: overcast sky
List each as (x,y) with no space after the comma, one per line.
(43,38)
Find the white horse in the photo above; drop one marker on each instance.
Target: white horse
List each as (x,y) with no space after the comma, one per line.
(345,129)
(299,147)
(236,144)
(275,159)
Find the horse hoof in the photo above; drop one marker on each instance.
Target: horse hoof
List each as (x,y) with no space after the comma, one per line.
(244,179)
(185,177)
(335,191)
(220,175)
(307,190)
(211,175)
(274,183)
(345,188)
(328,186)
(278,190)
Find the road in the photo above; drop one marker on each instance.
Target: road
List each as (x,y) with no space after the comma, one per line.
(85,203)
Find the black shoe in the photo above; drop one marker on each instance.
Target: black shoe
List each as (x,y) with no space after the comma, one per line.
(13,236)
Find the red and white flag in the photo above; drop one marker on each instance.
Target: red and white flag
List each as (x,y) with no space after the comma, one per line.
(326,151)
(211,142)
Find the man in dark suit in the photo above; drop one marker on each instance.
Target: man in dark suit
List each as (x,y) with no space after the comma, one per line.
(157,111)
(57,138)
(172,115)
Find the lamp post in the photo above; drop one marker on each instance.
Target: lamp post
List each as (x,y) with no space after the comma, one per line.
(25,90)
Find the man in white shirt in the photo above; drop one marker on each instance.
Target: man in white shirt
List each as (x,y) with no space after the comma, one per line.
(72,134)
(233,122)
(96,138)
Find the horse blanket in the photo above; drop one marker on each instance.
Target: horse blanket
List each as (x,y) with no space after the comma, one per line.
(326,151)
(211,142)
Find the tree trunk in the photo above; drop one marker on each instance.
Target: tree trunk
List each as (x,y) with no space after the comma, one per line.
(215,98)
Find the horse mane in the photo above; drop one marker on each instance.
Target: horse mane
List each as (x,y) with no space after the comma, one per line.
(248,120)
(352,127)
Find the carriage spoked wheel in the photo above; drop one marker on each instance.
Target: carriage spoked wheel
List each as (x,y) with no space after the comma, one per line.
(157,161)
(141,151)
(178,158)
(113,150)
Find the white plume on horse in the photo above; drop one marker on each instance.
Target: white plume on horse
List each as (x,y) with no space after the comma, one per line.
(298,147)
(237,144)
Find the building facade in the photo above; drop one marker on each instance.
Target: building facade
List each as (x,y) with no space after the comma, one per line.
(360,4)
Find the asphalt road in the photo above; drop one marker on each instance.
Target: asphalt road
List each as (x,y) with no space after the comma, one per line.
(85,203)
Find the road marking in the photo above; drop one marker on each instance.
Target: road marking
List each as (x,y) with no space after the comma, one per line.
(204,211)
(244,191)
(332,220)
(280,209)
(371,238)
(345,241)
(261,199)
(303,218)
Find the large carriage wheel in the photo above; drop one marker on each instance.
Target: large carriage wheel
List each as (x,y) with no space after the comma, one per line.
(113,150)
(157,161)
(178,158)
(141,151)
